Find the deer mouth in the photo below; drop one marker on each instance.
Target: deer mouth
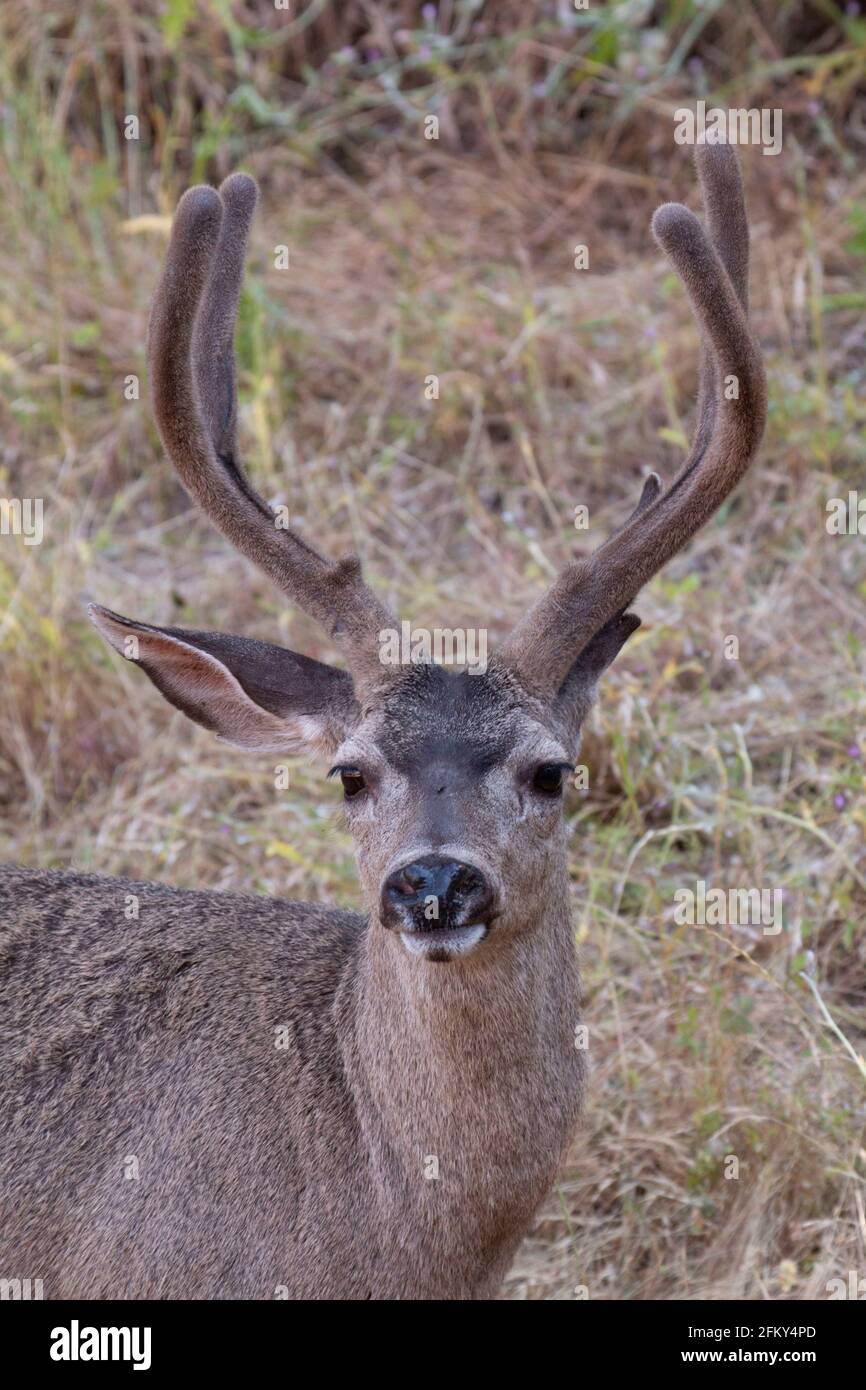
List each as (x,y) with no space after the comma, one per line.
(441,943)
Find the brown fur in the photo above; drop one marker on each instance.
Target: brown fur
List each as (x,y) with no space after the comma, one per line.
(306,1167)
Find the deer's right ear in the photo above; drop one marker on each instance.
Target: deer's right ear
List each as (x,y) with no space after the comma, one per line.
(252,694)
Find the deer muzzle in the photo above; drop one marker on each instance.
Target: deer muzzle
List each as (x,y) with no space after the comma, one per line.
(438,904)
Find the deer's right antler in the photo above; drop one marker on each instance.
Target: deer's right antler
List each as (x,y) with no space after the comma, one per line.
(548,641)
(191,355)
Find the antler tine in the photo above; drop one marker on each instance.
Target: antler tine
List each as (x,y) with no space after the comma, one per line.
(592,592)
(190,348)
(727,224)
(213,352)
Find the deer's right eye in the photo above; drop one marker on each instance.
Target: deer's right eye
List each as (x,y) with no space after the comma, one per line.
(353,781)
(548,778)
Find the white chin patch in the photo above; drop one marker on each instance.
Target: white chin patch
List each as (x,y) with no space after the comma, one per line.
(456,941)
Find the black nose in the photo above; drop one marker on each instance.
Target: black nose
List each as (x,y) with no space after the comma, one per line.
(435,892)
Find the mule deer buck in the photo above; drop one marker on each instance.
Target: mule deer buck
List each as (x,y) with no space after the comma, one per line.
(318,1103)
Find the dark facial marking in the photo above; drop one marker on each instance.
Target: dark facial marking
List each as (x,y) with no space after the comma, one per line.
(447,726)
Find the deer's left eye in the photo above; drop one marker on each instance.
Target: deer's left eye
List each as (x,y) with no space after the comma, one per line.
(352,778)
(353,781)
(548,778)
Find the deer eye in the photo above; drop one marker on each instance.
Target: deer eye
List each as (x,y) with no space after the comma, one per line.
(548,778)
(353,781)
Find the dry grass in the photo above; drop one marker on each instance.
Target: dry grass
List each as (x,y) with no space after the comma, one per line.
(557,388)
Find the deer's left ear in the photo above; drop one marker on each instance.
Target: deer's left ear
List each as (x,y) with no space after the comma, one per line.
(252,694)
(577,691)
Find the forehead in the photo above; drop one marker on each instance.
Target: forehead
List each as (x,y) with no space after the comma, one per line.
(432,717)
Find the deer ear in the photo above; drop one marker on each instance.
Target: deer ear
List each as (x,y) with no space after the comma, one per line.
(250,693)
(577,691)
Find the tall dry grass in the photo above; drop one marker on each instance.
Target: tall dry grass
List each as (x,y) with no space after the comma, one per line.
(412,257)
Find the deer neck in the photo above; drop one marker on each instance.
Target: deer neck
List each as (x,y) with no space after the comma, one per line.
(466,1074)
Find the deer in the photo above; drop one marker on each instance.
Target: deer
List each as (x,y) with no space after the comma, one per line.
(228,1096)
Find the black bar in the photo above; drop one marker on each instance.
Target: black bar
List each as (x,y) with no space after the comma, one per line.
(225,1337)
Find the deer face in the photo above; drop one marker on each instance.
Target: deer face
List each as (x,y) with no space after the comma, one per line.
(452,783)
(453,792)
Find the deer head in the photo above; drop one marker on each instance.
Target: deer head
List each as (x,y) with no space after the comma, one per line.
(453,782)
